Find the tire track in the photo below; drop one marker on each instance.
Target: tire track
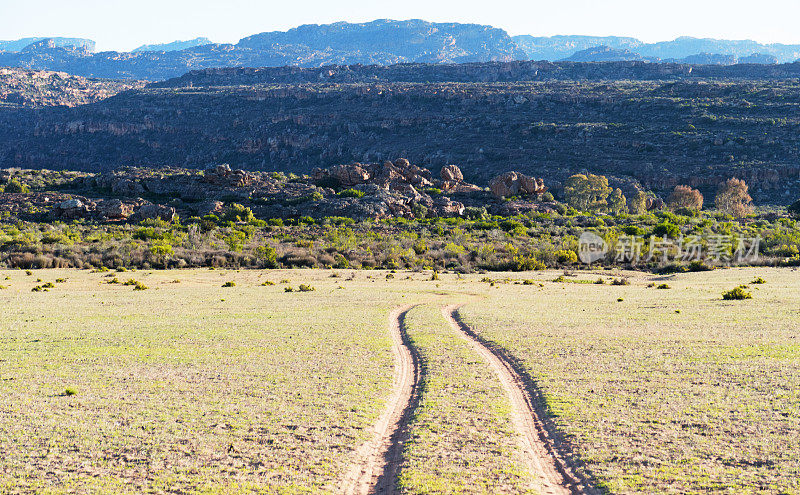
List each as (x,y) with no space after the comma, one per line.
(379,458)
(539,442)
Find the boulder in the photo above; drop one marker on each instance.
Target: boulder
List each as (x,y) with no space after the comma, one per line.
(444,207)
(210,207)
(114,209)
(127,187)
(516,184)
(152,211)
(451,173)
(458,187)
(71,209)
(222,175)
(344,175)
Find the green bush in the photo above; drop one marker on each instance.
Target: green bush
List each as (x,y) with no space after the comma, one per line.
(664,286)
(758,281)
(69,391)
(667,229)
(736,294)
(306,288)
(15,186)
(229,284)
(351,193)
(566,256)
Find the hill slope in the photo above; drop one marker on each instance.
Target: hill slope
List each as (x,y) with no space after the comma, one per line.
(660,131)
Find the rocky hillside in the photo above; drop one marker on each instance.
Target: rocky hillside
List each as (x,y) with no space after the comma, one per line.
(361,191)
(657,133)
(381,42)
(608,54)
(26,88)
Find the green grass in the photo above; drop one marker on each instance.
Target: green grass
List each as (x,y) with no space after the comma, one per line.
(197,388)
(462,440)
(673,391)
(179,389)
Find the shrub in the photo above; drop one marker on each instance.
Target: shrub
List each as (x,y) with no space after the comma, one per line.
(736,294)
(139,286)
(267,283)
(351,193)
(667,229)
(69,391)
(435,275)
(306,288)
(664,286)
(599,281)
(229,284)
(475,213)
(288,289)
(15,186)
(699,266)
(620,281)
(560,278)
(758,281)
(566,256)
(528,282)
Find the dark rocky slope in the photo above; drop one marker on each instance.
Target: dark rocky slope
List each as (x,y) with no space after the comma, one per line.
(659,132)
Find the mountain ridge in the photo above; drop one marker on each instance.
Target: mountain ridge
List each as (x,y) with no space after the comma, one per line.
(380,42)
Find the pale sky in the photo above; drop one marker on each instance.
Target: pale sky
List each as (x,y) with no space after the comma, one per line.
(122,26)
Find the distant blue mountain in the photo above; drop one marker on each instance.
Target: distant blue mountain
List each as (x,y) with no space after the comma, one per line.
(381,42)
(562,47)
(174,46)
(19,45)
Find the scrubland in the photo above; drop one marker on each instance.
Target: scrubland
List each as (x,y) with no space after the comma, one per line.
(191,387)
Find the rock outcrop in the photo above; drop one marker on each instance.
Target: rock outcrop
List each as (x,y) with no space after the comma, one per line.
(516,184)
(341,175)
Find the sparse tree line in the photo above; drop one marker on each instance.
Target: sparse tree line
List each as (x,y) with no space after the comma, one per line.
(592,193)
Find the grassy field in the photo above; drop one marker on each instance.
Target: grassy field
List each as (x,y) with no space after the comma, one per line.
(192,387)
(461,440)
(188,386)
(664,390)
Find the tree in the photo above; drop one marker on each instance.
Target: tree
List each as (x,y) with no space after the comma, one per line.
(732,198)
(617,203)
(794,209)
(587,192)
(638,204)
(685,197)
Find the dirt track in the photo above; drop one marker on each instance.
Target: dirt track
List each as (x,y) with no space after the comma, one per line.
(379,459)
(554,475)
